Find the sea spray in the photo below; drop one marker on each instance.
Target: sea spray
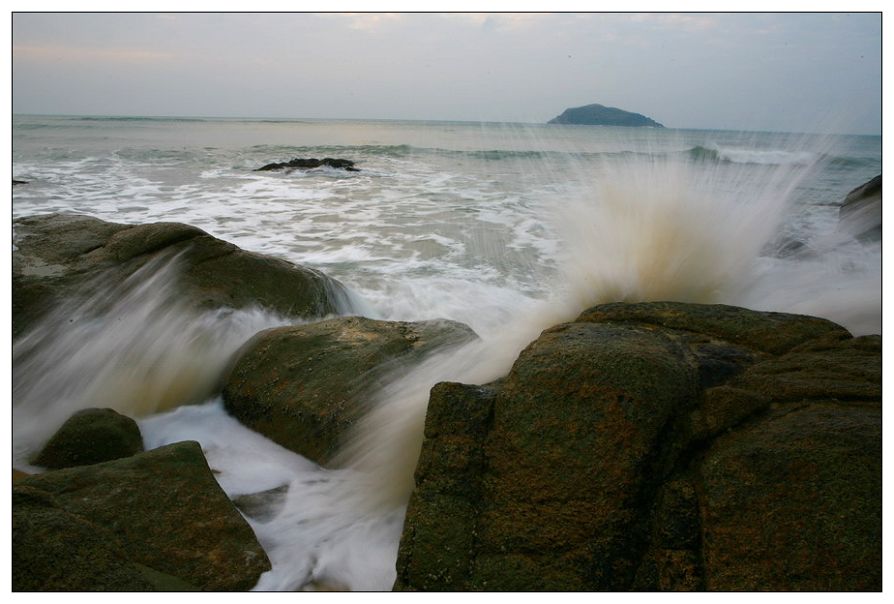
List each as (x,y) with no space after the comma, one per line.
(657,231)
(522,241)
(131,346)
(668,230)
(646,232)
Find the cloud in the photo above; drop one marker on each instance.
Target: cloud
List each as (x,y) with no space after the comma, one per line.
(371,21)
(501,21)
(684,21)
(83,55)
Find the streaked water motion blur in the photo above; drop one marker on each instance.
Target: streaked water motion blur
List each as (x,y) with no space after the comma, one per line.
(509,228)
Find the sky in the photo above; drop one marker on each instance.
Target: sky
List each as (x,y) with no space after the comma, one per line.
(777,72)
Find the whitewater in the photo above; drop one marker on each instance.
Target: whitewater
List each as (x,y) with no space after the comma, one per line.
(508,228)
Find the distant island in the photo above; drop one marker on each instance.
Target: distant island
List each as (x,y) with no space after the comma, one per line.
(600,115)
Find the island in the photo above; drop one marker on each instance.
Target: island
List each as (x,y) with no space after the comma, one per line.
(600,115)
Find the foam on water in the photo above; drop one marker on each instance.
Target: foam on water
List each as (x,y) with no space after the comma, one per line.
(510,234)
(128,346)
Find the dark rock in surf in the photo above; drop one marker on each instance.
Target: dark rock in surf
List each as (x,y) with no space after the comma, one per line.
(658,446)
(155,521)
(861,212)
(304,386)
(19,182)
(264,505)
(600,115)
(307,164)
(786,247)
(63,256)
(91,436)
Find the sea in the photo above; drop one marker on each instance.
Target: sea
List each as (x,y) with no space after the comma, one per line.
(510,228)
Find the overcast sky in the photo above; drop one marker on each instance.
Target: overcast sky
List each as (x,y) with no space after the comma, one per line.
(795,72)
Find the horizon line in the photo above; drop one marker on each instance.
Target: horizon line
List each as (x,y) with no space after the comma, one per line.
(374,119)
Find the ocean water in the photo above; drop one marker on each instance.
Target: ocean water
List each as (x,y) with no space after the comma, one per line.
(510,228)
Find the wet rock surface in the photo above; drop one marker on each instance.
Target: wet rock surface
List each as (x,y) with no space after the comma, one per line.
(658,446)
(60,256)
(861,211)
(303,386)
(156,521)
(309,163)
(91,436)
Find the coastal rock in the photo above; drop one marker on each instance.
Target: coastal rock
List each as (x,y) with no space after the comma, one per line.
(61,256)
(657,446)
(600,115)
(306,164)
(91,436)
(154,521)
(861,211)
(302,386)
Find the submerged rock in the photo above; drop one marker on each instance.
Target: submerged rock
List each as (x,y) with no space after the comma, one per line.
(861,212)
(657,446)
(306,164)
(303,386)
(157,521)
(91,436)
(61,256)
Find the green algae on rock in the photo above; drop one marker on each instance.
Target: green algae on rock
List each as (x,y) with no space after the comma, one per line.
(618,454)
(154,521)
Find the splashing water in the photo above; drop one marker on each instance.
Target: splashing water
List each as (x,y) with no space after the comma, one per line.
(660,227)
(129,346)
(656,232)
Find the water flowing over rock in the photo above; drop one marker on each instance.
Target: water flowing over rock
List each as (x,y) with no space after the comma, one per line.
(157,521)
(303,386)
(657,446)
(91,436)
(58,255)
(861,212)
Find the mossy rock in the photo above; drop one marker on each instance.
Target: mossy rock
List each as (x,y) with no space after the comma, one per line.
(91,436)
(59,257)
(657,446)
(155,520)
(304,386)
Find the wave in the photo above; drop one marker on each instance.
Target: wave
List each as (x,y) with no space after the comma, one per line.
(776,157)
(698,153)
(133,118)
(132,346)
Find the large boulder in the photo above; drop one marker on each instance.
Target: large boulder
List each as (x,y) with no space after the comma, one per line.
(657,446)
(303,386)
(861,212)
(91,436)
(60,256)
(154,521)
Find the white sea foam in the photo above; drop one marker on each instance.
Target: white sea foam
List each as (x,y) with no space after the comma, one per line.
(128,346)
(506,239)
(766,156)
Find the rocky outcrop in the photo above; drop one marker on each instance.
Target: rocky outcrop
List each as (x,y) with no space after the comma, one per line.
(861,212)
(156,521)
(658,446)
(59,256)
(309,163)
(600,115)
(91,436)
(303,386)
